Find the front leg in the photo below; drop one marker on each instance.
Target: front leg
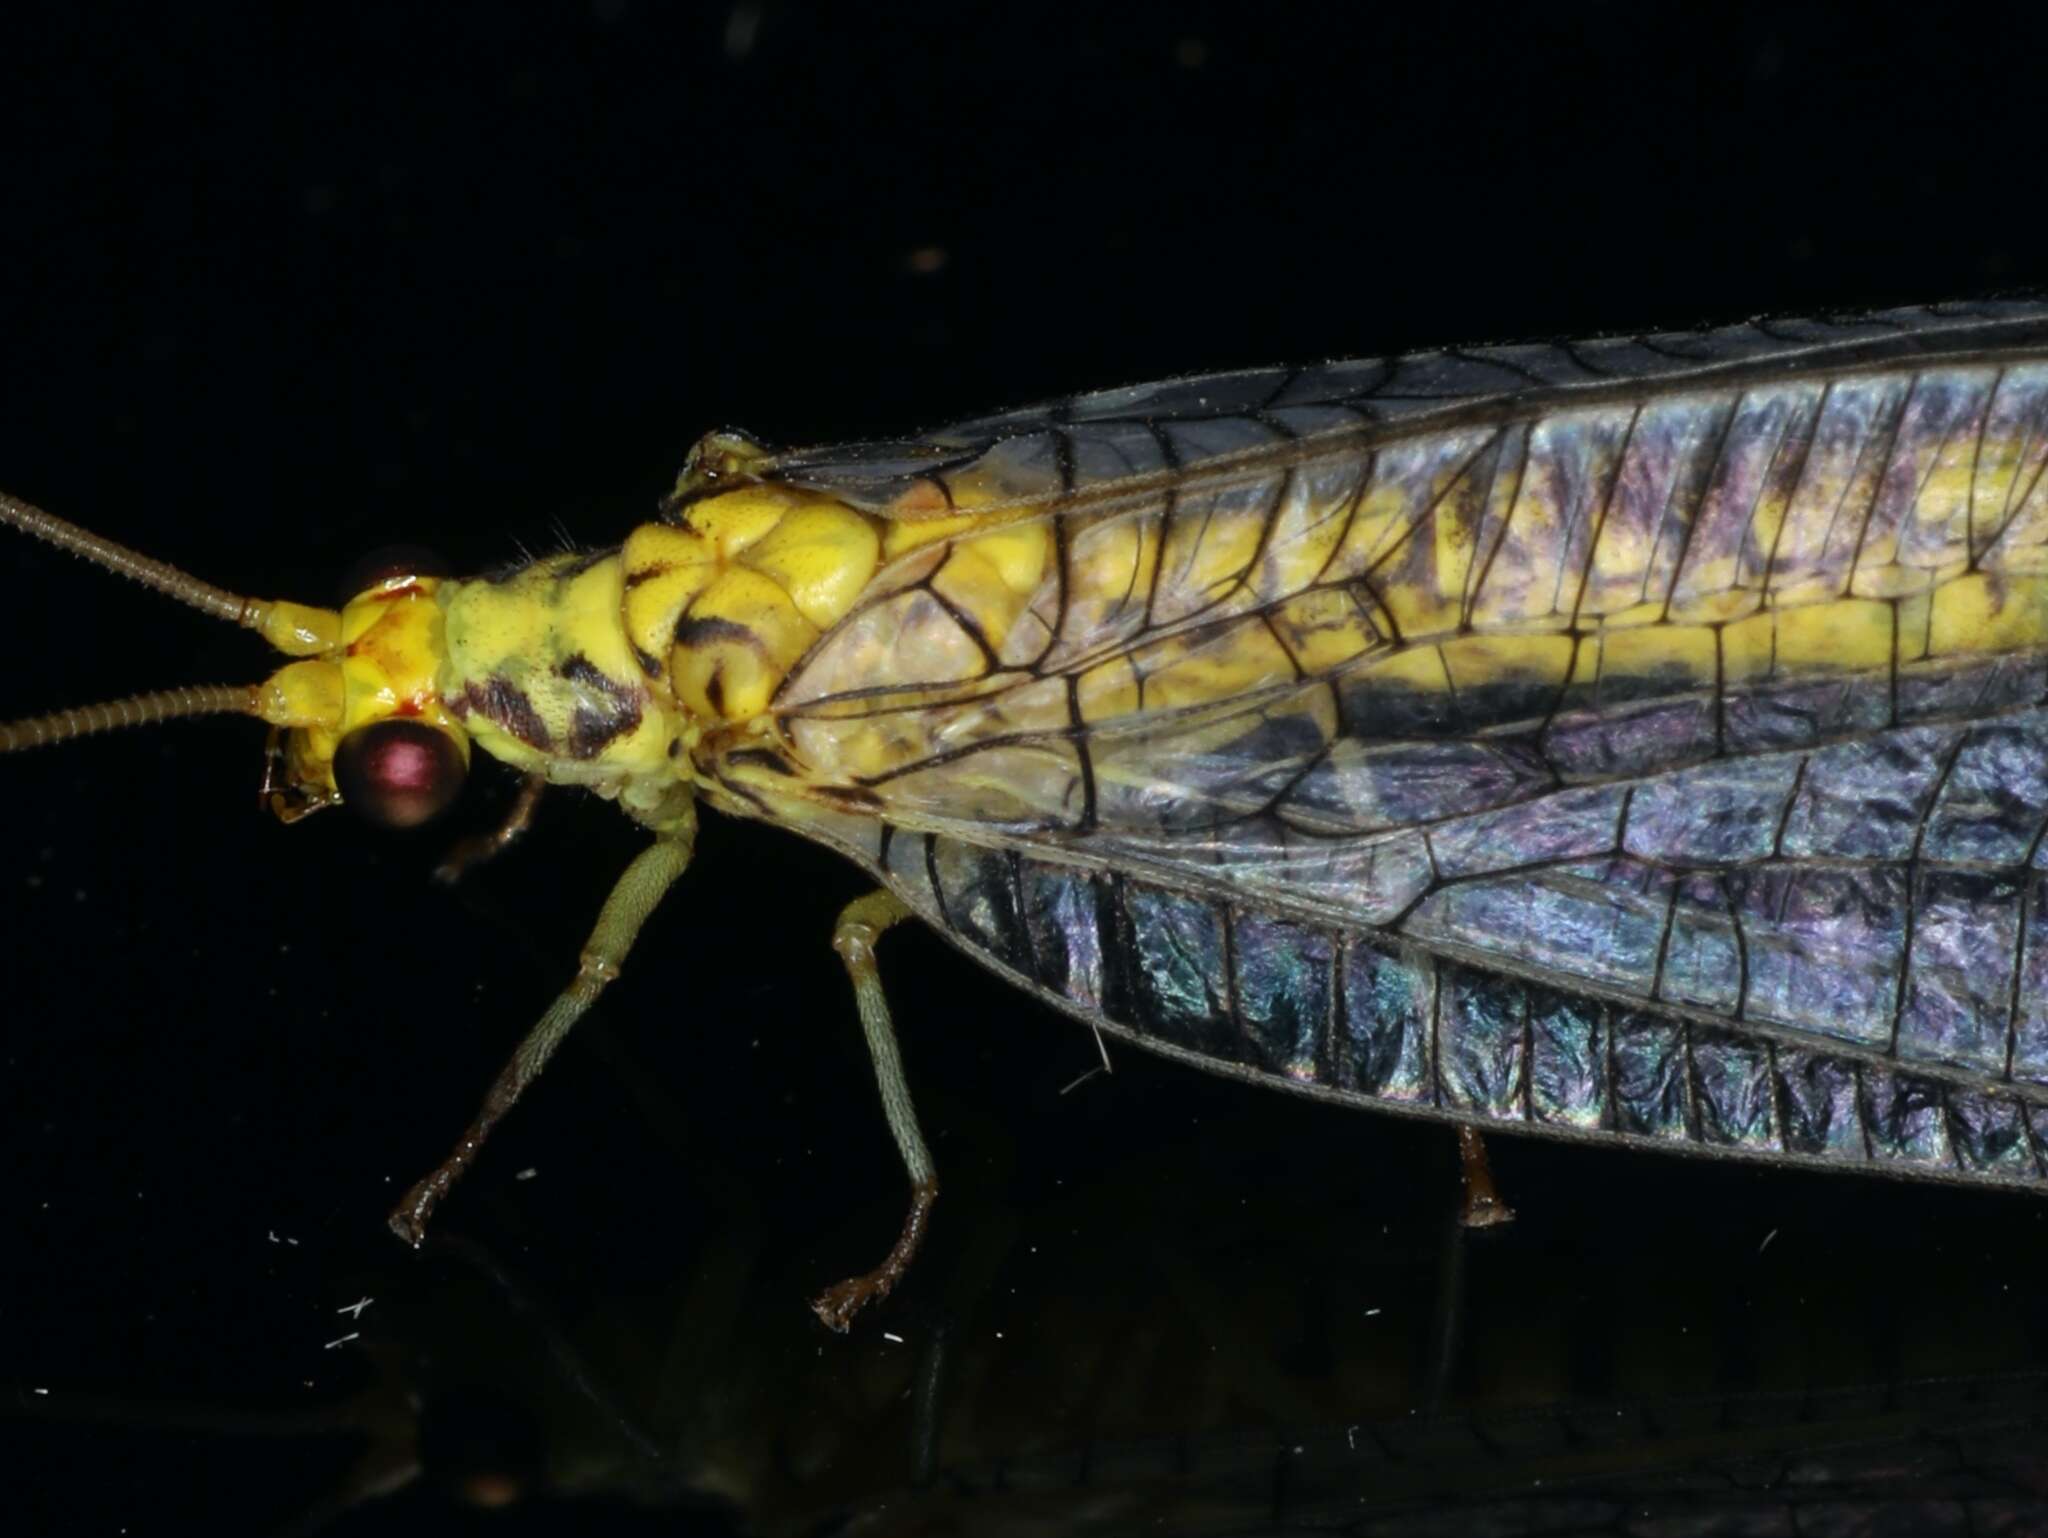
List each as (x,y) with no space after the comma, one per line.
(640,889)
(479,847)
(861,923)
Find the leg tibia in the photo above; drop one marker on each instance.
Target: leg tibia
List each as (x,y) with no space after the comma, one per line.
(861,923)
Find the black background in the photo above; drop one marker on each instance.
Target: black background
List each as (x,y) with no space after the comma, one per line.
(273,292)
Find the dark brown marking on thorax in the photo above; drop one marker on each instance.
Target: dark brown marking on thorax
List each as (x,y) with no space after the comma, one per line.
(692,631)
(762,758)
(605,708)
(504,704)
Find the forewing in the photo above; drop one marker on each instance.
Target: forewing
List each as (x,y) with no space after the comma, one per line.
(1701,674)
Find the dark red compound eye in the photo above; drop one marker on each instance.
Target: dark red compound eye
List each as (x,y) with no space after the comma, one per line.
(388,564)
(398,773)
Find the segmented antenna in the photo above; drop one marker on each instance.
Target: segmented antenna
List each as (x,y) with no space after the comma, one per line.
(123,562)
(297,630)
(136,710)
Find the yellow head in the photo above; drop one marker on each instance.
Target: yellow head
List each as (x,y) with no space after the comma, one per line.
(355,718)
(360,721)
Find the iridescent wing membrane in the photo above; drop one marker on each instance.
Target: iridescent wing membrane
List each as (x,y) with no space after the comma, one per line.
(1642,739)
